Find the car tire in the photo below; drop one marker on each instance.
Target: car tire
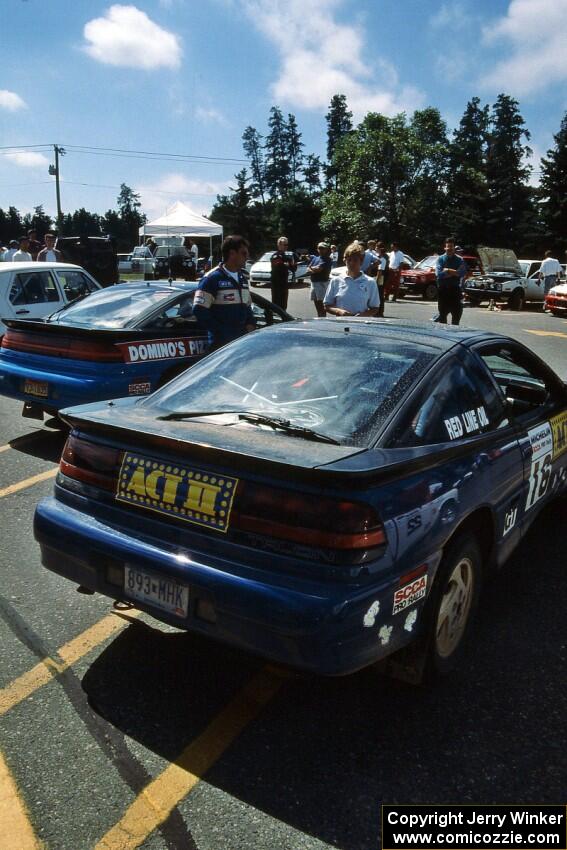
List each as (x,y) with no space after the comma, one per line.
(453,601)
(558,313)
(430,292)
(516,300)
(475,301)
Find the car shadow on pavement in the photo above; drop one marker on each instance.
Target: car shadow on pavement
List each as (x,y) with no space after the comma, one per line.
(325,753)
(43,444)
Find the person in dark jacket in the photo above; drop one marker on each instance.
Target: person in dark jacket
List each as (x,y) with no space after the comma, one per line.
(50,254)
(222,303)
(282,262)
(450,271)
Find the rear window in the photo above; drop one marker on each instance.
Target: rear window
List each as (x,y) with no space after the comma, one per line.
(342,385)
(115,307)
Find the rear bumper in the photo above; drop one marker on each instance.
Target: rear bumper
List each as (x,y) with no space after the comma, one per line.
(329,628)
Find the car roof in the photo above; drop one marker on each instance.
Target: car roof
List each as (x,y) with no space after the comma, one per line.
(33,265)
(173,285)
(432,334)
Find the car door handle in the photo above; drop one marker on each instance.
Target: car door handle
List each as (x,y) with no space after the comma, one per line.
(21,312)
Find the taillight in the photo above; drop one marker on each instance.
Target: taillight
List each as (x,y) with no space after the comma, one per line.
(53,345)
(309,520)
(91,463)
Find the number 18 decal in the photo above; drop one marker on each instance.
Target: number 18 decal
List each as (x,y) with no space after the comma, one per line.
(541,439)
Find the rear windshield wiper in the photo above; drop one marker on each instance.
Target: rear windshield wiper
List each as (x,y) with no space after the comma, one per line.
(255,418)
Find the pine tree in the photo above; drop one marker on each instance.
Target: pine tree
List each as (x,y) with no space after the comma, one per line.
(511,217)
(312,174)
(278,171)
(294,148)
(467,189)
(252,144)
(554,188)
(339,124)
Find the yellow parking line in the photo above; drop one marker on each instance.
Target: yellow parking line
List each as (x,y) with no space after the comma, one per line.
(48,668)
(28,482)
(155,803)
(544,333)
(16,832)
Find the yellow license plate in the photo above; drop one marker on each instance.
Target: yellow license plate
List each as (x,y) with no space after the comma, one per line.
(40,389)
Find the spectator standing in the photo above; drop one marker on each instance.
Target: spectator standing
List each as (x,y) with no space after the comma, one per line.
(22,255)
(34,247)
(395,259)
(320,271)
(12,248)
(549,272)
(192,248)
(334,256)
(450,271)
(353,294)
(382,274)
(282,262)
(370,261)
(222,303)
(49,254)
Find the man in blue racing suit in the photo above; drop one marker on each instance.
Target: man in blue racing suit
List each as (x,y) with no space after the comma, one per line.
(222,303)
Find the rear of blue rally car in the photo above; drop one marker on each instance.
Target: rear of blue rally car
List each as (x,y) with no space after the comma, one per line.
(251,537)
(51,367)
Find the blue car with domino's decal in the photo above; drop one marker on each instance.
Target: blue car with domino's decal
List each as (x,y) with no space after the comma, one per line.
(326,494)
(125,340)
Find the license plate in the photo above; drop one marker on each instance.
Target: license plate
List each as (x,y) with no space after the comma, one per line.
(37,388)
(166,594)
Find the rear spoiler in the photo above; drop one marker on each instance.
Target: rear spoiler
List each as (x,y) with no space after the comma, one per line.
(99,334)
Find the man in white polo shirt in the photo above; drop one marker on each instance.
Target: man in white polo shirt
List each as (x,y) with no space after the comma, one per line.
(354,294)
(549,271)
(396,258)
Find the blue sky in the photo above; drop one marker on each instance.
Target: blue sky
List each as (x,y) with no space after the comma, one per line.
(185,77)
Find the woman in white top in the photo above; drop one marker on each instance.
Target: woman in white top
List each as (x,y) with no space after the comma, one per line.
(353,294)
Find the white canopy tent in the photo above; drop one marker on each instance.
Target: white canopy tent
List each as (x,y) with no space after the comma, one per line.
(181,220)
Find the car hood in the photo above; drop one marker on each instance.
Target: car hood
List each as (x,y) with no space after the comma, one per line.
(499,260)
(264,266)
(560,289)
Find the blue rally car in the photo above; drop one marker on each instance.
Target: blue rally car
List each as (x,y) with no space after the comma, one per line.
(125,340)
(324,493)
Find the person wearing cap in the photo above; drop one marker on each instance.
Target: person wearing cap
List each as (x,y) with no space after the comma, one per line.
(22,255)
(353,294)
(320,271)
(282,262)
(12,248)
(50,254)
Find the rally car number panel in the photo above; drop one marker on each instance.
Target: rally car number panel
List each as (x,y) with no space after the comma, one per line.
(188,494)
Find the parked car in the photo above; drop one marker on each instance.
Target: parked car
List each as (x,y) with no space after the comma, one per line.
(529,267)
(421,279)
(174,261)
(142,260)
(260,270)
(502,279)
(34,290)
(556,298)
(122,341)
(124,263)
(321,518)
(96,254)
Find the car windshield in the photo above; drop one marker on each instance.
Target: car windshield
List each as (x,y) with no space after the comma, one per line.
(115,307)
(265,257)
(427,263)
(173,251)
(342,385)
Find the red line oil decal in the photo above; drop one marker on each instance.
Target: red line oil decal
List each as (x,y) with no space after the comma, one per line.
(161,349)
(186,493)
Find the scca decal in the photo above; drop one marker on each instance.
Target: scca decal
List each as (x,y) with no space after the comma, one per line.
(409,594)
(164,349)
(192,495)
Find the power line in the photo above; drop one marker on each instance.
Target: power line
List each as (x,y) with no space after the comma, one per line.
(157,191)
(139,154)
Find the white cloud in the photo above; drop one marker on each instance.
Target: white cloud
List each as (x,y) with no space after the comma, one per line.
(452,15)
(28,159)
(210,116)
(11,101)
(314,69)
(197,193)
(126,36)
(531,38)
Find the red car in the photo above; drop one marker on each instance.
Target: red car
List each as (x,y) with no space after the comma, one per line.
(421,280)
(556,299)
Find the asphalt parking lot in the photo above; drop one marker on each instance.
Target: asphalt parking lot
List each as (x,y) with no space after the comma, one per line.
(118,732)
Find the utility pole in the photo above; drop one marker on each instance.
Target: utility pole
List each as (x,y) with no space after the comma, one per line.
(54,171)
